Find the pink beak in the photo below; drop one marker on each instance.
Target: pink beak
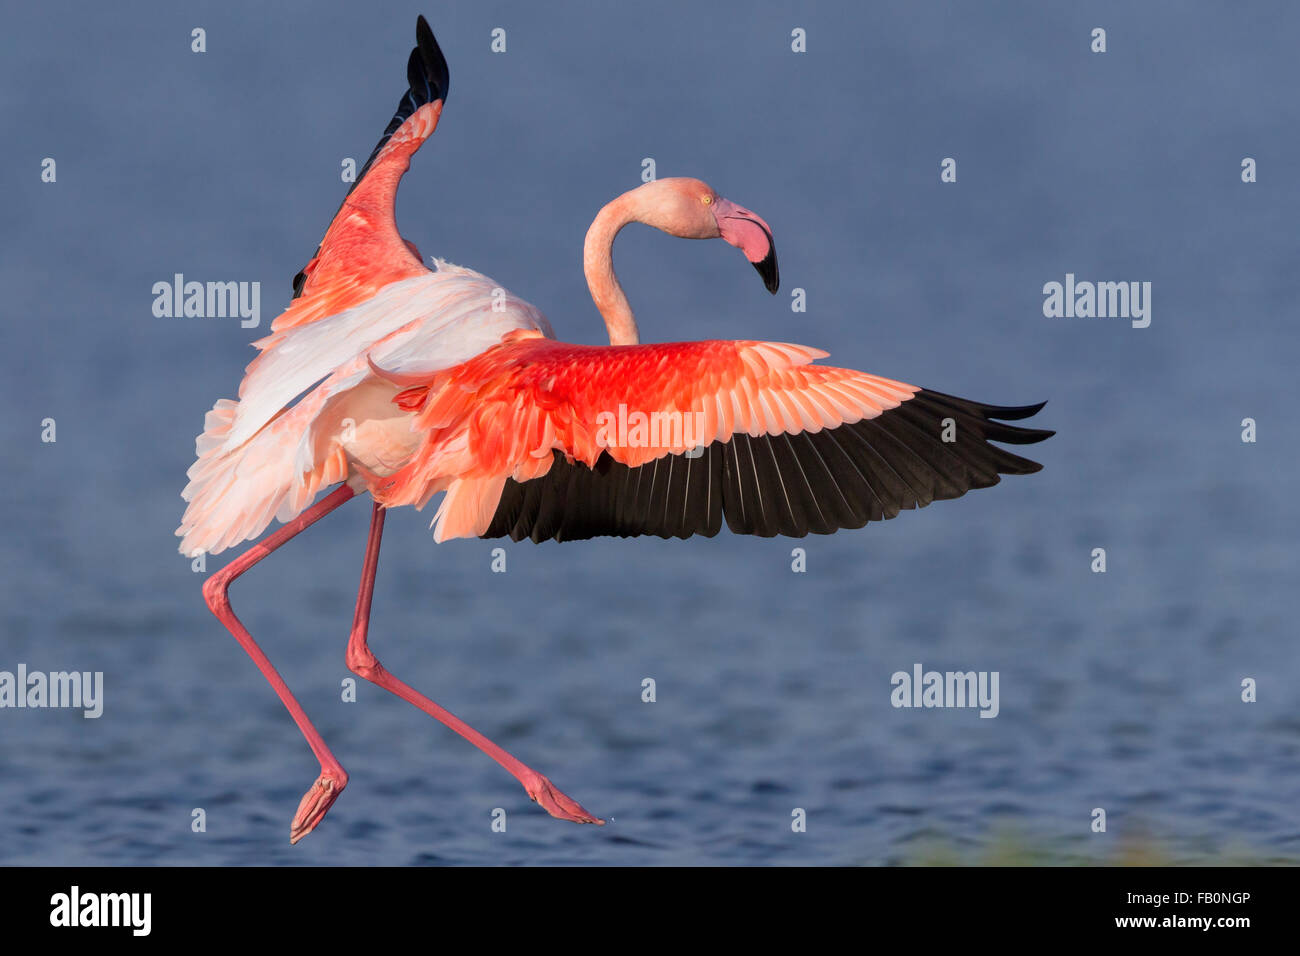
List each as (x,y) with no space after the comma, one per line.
(751,235)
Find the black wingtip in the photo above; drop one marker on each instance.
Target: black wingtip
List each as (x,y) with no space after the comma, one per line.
(1007,413)
(427,79)
(1028,436)
(427,61)
(1020,411)
(1011,413)
(988,419)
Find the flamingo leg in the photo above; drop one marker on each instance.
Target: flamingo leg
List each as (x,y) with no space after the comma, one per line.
(333,778)
(362,662)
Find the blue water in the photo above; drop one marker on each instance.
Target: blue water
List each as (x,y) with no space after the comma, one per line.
(1118,690)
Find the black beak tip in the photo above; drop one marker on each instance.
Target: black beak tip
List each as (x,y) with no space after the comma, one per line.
(768,270)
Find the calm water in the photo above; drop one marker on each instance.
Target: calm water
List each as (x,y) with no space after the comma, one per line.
(1118,690)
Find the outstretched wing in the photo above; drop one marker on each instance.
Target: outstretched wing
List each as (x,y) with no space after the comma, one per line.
(543,439)
(362,250)
(792,483)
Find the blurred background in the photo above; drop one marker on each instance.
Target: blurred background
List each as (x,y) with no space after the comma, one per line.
(1119,690)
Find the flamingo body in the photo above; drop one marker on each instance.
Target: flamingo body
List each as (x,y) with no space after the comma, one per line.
(387,377)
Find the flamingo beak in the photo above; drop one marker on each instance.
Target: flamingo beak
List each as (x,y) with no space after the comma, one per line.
(751,235)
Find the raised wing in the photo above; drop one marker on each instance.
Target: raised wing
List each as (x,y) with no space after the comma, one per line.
(362,250)
(544,439)
(364,276)
(259,457)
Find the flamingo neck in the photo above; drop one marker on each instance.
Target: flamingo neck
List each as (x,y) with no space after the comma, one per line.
(598,264)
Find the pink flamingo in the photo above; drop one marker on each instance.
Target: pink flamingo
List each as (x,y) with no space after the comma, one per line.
(416,382)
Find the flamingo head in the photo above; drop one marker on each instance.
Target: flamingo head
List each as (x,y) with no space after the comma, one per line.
(692,209)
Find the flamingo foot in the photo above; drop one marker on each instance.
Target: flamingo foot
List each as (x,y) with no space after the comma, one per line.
(316,802)
(557,804)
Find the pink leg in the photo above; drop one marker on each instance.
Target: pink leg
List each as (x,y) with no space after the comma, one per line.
(362,662)
(333,778)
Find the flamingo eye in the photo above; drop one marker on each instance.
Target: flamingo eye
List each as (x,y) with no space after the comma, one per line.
(707,200)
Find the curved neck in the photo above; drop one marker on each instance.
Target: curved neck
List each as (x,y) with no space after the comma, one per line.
(598,265)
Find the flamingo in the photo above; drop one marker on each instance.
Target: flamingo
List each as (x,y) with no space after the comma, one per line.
(413,381)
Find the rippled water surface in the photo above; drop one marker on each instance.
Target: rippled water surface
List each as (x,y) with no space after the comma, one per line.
(1118,690)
